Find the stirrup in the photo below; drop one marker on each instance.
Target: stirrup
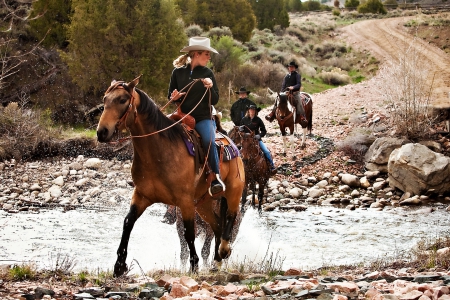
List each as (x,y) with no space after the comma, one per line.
(217,187)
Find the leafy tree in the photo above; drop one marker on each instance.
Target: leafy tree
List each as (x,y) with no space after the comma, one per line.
(351,4)
(234,14)
(230,55)
(372,6)
(312,5)
(122,39)
(295,5)
(270,13)
(53,15)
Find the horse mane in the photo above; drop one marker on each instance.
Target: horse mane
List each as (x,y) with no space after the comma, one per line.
(156,117)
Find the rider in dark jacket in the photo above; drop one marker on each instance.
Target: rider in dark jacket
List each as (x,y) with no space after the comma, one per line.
(292,83)
(239,107)
(255,124)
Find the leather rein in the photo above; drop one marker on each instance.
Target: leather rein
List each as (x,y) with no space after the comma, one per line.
(131,105)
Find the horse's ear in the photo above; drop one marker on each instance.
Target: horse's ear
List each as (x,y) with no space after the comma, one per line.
(132,84)
(113,81)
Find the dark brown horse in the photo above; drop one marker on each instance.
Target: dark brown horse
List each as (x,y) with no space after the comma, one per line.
(164,172)
(285,112)
(173,216)
(256,166)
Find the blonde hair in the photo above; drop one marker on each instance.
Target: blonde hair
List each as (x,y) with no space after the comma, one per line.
(186,58)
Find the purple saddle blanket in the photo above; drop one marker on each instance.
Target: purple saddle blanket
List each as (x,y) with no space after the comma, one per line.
(230,151)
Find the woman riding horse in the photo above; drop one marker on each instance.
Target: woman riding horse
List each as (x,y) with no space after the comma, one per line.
(188,67)
(255,124)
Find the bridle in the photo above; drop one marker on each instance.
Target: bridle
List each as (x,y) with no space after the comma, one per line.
(125,115)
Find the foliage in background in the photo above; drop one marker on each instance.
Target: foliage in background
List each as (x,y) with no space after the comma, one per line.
(54,15)
(270,13)
(235,14)
(372,6)
(107,43)
(353,4)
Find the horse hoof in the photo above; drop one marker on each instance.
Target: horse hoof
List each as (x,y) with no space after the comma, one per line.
(120,269)
(216,265)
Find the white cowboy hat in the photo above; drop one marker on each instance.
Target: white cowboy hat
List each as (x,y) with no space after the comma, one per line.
(199,43)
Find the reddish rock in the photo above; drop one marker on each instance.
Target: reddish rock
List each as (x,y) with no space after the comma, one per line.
(371,294)
(439,291)
(423,297)
(293,271)
(190,283)
(164,280)
(344,287)
(178,290)
(444,297)
(230,288)
(412,295)
(339,297)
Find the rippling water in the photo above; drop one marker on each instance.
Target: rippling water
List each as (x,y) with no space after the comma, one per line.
(316,237)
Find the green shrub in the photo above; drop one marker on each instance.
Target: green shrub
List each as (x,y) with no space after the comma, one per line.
(335,77)
(22,272)
(218,32)
(351,4)
(193,30)
(336,12)
(372,6)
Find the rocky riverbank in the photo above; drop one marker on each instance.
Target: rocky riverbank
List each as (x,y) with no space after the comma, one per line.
(398,284)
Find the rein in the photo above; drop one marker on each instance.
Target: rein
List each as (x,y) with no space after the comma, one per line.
(125,115)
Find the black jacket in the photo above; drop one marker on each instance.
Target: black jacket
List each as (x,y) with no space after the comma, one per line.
(183,76)
(256,125)
(292,79)
(238,109)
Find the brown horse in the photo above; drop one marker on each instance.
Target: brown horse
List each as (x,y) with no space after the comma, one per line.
(164,172)
(285,113)
(257,168)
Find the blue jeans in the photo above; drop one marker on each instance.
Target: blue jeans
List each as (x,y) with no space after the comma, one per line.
(266,152)
(207,130)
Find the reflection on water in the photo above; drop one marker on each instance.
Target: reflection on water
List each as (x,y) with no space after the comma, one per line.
(316,237)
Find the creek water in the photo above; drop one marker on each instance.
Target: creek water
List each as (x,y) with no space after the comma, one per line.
(319,236)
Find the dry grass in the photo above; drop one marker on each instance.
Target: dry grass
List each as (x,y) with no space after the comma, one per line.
(406,86)
(22,131)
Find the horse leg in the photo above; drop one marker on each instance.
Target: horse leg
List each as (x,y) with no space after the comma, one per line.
(189,235)
(230,217)
(137,207)
(260,196)
(244,198)
(253,187)
(209,235)
(305,131)
(180,230)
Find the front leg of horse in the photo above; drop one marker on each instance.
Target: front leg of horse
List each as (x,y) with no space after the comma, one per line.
(305,131)
(244,198)
(121,267)
(260,196)
(224,249)
(189,235)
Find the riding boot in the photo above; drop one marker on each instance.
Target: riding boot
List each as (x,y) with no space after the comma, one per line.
(270,117)
(217,186)
(272,168)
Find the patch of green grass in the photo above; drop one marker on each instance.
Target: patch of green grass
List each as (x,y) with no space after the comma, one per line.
(356,76)
(78,132)
(315,85)
(22,272)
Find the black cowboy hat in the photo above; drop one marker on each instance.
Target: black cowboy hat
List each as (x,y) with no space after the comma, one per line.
(242,90)
(254,107)
(293,64)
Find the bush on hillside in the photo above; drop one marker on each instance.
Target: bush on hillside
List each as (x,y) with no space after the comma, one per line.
(372,6)
(193,30)
(218,32)
(351,4)
(335,77)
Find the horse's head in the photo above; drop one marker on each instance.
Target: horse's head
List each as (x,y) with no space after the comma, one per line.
(283,105)
(235,136)
(250,146)
(118,102)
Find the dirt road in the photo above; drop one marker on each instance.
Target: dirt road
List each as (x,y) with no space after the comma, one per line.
(388,38)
